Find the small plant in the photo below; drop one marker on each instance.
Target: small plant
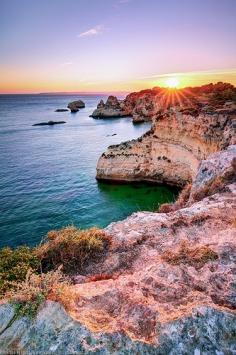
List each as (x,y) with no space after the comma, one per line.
(14,265)
(194,256)
(28,295)
(72,248)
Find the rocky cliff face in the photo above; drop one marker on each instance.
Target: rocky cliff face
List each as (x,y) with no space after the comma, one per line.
(181,136)
(166,286)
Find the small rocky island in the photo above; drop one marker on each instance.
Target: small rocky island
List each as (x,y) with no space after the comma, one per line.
(61,110)
(112,108)
(49,123)
(164,282)
(74,106)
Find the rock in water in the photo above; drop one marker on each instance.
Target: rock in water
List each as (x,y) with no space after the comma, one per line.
(61,110)
(112,108)
(74,106)
(49,123)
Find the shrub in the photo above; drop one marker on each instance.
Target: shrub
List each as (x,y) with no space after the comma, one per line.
(71,248)
(28,295)
(194,256)
(14,265)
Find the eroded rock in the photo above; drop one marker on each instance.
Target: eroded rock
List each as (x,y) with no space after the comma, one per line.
(74,106)
(112,108)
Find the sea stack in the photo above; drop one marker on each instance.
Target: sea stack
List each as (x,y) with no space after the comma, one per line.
(112,108)
(74,106)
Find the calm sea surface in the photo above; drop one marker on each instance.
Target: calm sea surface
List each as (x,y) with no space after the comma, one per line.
(47,174)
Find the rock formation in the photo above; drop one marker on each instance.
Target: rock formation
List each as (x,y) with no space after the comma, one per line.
(167,284)
(49,123)
(74,106)
(61,110)
(112,108)
(181,136)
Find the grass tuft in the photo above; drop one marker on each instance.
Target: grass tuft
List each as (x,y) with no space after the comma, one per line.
(194,256)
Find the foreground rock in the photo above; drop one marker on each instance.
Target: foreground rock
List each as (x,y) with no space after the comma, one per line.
(61,110)
(112,108)
(74,106)
(49,123)
(166,286)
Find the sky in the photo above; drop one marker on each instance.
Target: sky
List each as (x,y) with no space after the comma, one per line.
(114,45)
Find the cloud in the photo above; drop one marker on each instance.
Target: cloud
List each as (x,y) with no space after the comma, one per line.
(231,71)
(97,30)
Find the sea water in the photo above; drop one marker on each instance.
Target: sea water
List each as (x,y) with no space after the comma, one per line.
(47,173)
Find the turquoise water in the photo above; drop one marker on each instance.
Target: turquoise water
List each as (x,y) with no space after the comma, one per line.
(47,175)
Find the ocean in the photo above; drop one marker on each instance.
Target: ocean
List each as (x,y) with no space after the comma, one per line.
(47,173)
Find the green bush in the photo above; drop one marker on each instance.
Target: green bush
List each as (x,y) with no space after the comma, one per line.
(14,265)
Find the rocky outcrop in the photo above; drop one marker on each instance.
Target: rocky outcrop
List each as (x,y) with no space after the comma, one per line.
(166,286)
(112,108)
(49,123)
(74,106)
(180,138)
(167,283)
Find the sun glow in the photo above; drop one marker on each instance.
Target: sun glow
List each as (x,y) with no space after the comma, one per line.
(172,82)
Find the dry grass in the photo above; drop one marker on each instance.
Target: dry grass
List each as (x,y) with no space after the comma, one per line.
(194,256)
(14,265)
(72,248)
(27,296)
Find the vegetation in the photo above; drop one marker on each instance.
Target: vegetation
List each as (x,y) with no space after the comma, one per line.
(14,265)
(29,276)
(194,256)
(71,248)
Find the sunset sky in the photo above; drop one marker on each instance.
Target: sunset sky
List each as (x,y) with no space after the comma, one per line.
(115,45)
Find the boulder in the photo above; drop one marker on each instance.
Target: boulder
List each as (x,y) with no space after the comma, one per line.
(74,106)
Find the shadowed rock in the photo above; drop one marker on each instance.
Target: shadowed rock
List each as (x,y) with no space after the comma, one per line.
(49,123)
(74,106)
(61,110)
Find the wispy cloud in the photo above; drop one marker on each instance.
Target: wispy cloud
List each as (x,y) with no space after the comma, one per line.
(94,31)
(119,3)
(231,71)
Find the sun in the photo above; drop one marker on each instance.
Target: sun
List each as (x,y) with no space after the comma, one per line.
(172,83)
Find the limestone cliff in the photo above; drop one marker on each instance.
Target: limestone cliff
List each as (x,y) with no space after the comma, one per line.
(181,136)
(166,286)
(167,283)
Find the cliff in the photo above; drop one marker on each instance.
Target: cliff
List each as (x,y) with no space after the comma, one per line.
(166,283)
(166,286)
(183,133)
